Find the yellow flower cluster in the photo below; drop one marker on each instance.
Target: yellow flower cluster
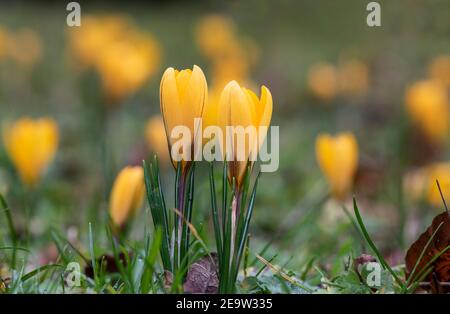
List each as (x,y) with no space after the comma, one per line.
(124,57)
(31,146)
(427,105)
(22,46)
(184,97)
(326,81)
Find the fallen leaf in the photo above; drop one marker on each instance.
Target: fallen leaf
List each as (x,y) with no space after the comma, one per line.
(441,267)
(202,276)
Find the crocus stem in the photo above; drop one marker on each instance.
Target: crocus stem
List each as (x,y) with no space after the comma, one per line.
(180,205)
(234,210)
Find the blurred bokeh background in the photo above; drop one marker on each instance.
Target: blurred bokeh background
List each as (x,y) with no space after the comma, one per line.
(328,73)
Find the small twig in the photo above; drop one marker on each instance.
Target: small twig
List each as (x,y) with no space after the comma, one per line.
(442,196)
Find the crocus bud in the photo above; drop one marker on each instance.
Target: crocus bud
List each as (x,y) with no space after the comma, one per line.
(31,146)
(127,195)
(427,105)
(323,81)
(183,95)
(240,107)
(338,159)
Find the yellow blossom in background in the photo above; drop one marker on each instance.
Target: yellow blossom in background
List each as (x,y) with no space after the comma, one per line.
(353,78)
(441,172)
(183,96)
(127,195)
(233,67)
(126,65)
(215,35)
(31,146)
(337,157)
(440,69)
(415,183)
(239,106)
(3,39)
(95,35)
(323,81)
(428,107)
(124,57)
(24,46)
(230,55)
(155,134)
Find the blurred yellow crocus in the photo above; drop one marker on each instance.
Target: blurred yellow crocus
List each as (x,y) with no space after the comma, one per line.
(440,172)
(24,47)
(439,69)
(353,78)
(183,95)
(124,57)
(415,183)
(31,146)
(215,35)
(155,134)
(127,195)
(323,81)
(428,107)
(3,39)
(95,35)
(126,65)
(338,159)
(240,107)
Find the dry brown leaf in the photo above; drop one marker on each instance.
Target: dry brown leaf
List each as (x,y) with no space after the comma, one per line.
(441,267)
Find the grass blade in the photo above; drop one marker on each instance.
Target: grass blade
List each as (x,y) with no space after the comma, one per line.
(372,245)
(12,230)
(215,213)
(243,236)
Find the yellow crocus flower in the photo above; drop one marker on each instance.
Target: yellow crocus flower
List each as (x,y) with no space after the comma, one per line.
(3,40)
(127,195)
(155,134)
(183,95)
(338,159)
(353,78)
(428,107)
(126,65)
(323,81)
(240,107)
(124,57)
(24,47)
(96,34)
(440,69)
(440,172)
(215,35)
(31,146)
